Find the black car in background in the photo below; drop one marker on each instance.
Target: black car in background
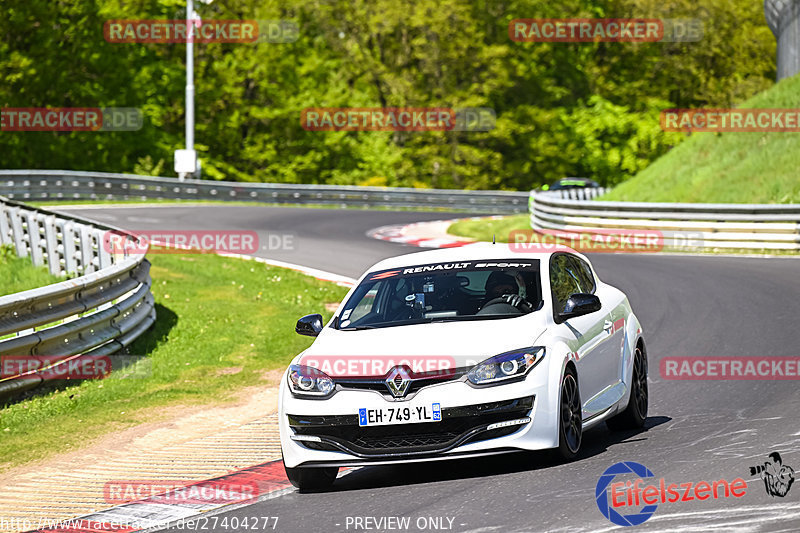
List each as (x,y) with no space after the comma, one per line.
(571,183)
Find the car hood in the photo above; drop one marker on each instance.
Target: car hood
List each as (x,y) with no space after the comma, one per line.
(471,341)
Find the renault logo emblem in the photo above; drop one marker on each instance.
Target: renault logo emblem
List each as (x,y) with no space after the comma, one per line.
(398,381)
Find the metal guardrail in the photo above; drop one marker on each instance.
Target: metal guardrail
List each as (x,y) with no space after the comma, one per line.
(70,185)
(98,313)
(695,226)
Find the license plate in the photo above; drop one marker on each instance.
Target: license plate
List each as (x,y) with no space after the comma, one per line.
(386,416)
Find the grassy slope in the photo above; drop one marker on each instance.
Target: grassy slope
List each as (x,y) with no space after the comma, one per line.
(222,323)
(727,167)
(18,273)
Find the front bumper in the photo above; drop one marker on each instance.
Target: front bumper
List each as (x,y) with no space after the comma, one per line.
(475,421)
(459,425)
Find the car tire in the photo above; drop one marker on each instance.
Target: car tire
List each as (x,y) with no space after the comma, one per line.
(570,420)
(635,414)
(311,479)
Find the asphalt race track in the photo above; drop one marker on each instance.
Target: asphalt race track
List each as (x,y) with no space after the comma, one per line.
(696,430)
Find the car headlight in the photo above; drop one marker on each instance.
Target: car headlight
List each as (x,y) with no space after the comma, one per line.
(506,366)
(308,381)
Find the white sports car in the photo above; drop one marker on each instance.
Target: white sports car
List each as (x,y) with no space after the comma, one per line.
(462,352)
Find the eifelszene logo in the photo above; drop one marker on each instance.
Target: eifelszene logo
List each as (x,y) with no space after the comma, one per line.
(632,494)
(778,477)
(601,494)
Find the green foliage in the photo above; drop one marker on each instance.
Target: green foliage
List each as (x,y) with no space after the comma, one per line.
(562,108)
(617,142)
(146,167)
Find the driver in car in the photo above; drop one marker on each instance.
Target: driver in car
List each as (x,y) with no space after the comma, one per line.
(503,286)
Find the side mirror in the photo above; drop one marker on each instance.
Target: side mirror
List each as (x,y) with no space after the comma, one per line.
(309,325)
(580,304)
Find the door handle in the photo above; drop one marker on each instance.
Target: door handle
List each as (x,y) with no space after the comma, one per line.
(608,326)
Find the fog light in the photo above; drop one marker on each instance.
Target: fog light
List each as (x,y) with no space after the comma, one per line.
(306,438)
(517,422)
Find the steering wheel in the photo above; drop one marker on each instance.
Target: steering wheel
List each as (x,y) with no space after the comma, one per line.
(511,299)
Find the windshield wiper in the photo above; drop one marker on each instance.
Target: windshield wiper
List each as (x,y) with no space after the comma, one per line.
(467,318)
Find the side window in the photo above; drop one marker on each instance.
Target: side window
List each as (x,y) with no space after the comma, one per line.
(584,274)
(563,281)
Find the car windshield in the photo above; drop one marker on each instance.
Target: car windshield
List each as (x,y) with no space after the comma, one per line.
(443,292)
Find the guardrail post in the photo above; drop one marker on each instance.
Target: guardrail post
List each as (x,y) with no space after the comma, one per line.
(5,229)
(34,237)
(51,243)
(70,260)
(797,242)
(104,257)
(86,249)
(18,233)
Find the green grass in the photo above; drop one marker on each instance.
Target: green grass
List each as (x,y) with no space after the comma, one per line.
(222,323)
(18,273)
(732,167)
(483,230)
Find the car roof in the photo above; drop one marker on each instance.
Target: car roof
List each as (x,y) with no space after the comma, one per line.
(480,251)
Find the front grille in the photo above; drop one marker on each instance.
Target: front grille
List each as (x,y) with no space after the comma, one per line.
(459,425)
(390,442)
(417,382)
